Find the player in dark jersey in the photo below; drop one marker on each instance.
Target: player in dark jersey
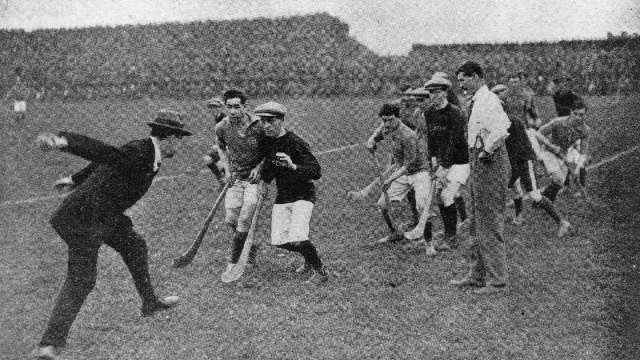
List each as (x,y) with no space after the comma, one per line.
(443,129)
(288,160)
(521,156)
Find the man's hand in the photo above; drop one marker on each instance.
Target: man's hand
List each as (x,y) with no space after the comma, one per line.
(485,156)
(64,184)
(254,175)
(371,144)
(386,185)
(229,177)
(285,160)
(441,173)
(556,150)
(47,142)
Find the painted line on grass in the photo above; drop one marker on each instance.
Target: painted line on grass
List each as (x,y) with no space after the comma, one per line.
(612,158)
(157,179)
(320,153)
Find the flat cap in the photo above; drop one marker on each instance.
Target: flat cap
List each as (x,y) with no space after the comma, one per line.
(271,108)
(437,83)
(170,120)
(498,88)
(440,74)
(214,102)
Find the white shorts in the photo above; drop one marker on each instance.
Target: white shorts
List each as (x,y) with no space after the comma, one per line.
(420,182)
(555,166)
(575,158)
(240,203)
(20,106)
(290,222)
(457,175)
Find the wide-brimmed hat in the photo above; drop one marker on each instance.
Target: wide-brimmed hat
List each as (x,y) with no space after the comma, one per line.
(271,109)
(421,92)
(170,120)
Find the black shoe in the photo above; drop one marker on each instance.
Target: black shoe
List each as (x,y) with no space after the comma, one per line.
(159,305)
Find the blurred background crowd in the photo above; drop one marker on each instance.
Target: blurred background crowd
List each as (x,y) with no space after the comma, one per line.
(295,56)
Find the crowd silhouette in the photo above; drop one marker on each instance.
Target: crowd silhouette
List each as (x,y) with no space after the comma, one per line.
(311,56)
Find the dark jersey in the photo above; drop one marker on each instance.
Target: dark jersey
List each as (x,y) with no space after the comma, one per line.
(292,185)
(564,101)
(445,135)
(518,144)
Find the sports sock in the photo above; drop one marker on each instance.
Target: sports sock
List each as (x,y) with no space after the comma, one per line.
(428,231)
(450,219)
(387,219)
(411,197)
(461,207)
(310,254)
(238,244)
(518,204)
(253,254)
(548,206)
(214,169)
(551,191)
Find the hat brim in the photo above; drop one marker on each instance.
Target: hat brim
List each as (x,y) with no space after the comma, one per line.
(266,114)
(177,130)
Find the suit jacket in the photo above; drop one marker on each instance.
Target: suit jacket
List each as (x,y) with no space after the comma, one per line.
(115,179)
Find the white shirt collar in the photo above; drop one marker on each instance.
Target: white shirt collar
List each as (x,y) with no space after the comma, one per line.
(158,157)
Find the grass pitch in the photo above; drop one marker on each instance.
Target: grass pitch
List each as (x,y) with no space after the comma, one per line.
(571,298)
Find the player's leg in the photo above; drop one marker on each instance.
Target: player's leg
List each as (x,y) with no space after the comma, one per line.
(290,231)
(81,279)
(421,183)
(233,203)
(558,171)
(249,203)
(542,202)
(396,193)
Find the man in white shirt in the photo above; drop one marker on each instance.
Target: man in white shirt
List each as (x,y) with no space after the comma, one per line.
(490,171)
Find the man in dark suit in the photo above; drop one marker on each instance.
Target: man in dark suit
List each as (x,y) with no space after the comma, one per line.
(93,214)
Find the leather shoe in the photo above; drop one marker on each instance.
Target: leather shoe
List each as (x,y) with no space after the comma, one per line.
(159,305)
(45,352)
(490,289)
(467,282)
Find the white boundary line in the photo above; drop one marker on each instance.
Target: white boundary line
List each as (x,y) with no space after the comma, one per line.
(158,178)
(320,153)
(612,158)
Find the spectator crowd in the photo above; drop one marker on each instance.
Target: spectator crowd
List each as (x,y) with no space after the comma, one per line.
(294,56)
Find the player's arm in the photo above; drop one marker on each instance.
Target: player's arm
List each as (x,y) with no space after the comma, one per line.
(548,127)
(306,165)
(375,138)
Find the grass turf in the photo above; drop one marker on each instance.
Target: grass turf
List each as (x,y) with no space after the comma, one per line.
(568,298)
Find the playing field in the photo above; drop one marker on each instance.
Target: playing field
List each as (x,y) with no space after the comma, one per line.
(570,298)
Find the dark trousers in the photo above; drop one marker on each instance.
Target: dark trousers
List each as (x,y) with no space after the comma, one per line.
(84,242)
(488,188)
